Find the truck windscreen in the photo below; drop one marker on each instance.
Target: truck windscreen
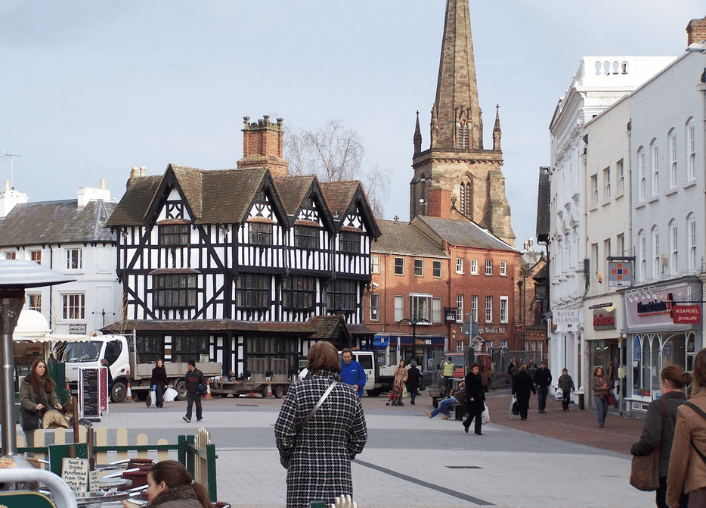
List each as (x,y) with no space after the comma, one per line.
(77,352)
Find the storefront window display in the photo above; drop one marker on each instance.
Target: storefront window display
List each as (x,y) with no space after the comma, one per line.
(654,351)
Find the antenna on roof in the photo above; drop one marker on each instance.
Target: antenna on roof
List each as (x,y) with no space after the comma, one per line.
(6,156)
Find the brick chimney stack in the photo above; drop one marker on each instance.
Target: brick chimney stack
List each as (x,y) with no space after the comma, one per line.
(696,31)
(262,146)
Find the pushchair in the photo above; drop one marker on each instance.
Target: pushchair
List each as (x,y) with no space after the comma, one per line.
(395,397)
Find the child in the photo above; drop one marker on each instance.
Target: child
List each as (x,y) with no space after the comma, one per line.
(567,385)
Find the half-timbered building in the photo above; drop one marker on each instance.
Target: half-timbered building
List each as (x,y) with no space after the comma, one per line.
(242,263)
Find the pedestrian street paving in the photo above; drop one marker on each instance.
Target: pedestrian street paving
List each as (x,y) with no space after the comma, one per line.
(411,460)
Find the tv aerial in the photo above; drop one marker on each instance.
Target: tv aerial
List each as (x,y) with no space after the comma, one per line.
(5,156)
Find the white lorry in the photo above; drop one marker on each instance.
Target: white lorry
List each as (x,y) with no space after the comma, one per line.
(119,352)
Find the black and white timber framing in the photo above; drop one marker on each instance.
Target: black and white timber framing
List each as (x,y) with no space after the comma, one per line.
(235,264)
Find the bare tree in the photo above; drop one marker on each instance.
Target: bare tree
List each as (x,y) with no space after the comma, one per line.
(335,153)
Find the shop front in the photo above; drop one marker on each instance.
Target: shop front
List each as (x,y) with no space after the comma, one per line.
(421,348)
(663,325)
(604,346)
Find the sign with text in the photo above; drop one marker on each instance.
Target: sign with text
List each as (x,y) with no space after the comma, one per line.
(566,320)
(686,314)
(604,319)
(75,473)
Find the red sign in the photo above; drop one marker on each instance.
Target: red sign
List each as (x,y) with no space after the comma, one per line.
(686,314)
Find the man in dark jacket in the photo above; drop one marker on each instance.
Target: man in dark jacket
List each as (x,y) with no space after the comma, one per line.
(542,378)
(413,377)
(193,378)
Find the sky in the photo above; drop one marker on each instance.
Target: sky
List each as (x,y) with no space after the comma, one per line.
(90,89)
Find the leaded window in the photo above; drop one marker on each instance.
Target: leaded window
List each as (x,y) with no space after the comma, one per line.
(260,233)
(175,290)
(306,237)
(342,296)
(254,291)
(298,293)
(349,242)
(173,235)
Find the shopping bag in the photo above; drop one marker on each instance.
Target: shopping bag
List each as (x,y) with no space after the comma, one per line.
(154,394)
(513,401)
(170,395)
(404,392)
(485,417)
(558,394)
(644,471)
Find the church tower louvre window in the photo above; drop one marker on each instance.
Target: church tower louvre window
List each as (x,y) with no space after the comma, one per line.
(455,175)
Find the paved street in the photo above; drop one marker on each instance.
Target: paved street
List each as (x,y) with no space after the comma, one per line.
(555,459)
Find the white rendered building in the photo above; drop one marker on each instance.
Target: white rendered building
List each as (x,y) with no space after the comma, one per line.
(598,83)
(68,236)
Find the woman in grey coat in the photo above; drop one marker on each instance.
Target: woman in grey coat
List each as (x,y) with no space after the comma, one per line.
(37,394)
(659,426)
(318,456)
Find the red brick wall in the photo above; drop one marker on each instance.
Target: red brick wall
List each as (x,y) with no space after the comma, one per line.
(696,31)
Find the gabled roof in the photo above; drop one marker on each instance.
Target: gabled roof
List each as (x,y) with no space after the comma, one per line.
(295,189)
(403,238)
(53,222)
(213,197)
(460,233)
(343,197)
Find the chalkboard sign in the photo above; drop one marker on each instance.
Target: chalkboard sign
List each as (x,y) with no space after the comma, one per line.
(89,394)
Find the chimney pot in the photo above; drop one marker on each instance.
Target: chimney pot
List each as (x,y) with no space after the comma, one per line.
(143,170)
(102,183)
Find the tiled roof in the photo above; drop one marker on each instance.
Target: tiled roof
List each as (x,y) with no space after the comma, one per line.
(293,189)
(461,233)
(52,222)
(339,195)
(404,238)
(214,197)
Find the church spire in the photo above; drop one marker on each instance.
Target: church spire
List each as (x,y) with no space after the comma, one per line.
(417,137)
(497,133)
(456,118)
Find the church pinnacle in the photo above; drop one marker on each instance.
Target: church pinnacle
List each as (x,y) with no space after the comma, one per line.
(456,116)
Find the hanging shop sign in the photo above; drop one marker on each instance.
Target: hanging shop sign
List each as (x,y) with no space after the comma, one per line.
(686,314)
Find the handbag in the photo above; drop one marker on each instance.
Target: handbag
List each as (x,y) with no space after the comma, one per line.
(300,426)
(644,470)
(612,401)
(202,389)
(30,420)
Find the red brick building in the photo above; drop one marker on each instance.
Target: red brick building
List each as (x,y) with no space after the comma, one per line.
(429,277)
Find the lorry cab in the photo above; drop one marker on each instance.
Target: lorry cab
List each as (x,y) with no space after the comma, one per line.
(113,348)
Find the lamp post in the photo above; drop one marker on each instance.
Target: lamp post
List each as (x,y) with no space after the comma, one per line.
(15,276)
(413,321)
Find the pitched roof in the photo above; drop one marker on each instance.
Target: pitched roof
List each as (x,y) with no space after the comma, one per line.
(293,190)
(53,222)
(214,197)
(340,196)
(461,233)
(403,238)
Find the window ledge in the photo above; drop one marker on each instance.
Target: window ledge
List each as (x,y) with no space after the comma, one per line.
(671,192)
(653,199)
(690,183)
(640,205)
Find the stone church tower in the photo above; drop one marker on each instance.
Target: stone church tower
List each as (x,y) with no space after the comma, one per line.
(456,178)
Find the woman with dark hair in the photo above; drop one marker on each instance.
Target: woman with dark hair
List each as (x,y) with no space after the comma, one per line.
(522,387)
(170,486)
(687,464)
(37,395)
(601,388)
(159,381)
(659,426)
(320,429)
(475,398)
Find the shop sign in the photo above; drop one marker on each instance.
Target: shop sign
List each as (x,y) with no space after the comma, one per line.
(604,319)
(619,274)
(650,306)
(566,320)
(687,314)
(492,329)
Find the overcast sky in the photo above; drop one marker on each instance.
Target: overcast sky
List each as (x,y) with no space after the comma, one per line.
(90,89)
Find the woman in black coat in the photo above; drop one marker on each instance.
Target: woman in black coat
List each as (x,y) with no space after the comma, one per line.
(475,398)
(159,381)
(522,388)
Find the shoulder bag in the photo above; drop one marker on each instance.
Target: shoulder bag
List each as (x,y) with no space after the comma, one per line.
(644,470)
(300,426)
(699,411)
(30,420)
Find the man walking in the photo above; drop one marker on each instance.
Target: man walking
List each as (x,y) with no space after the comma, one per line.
(413,377)
(542,379)
(352,372)
(193,378)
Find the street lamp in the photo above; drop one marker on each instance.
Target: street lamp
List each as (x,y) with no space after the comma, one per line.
(15,276)
(413,321)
